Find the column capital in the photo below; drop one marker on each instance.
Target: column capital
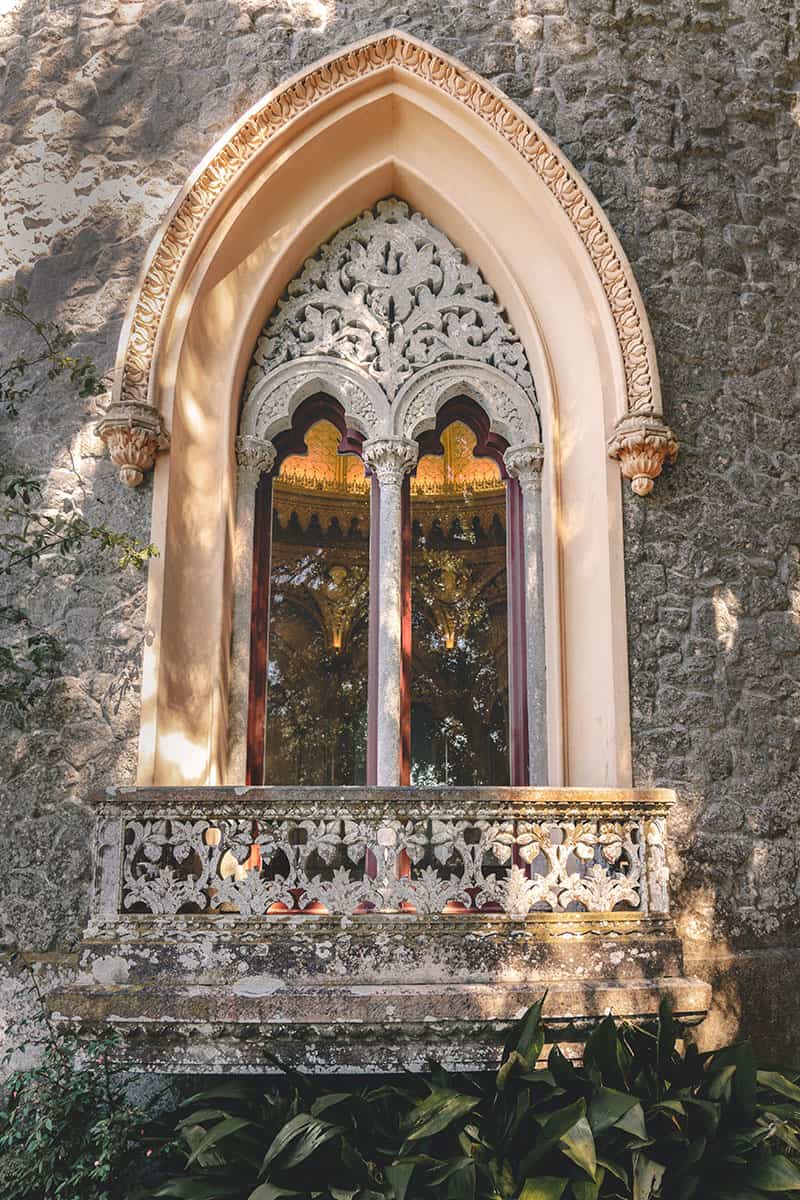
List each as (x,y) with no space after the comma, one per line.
(134,434)
(390,458)
(254,456)
(642,443)
(525,463)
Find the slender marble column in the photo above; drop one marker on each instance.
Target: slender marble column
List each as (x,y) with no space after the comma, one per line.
(525,464)
(390,458)
(253,457)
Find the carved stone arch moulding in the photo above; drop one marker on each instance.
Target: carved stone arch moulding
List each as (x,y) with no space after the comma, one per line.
(641,441)
(276,394)
(510,409)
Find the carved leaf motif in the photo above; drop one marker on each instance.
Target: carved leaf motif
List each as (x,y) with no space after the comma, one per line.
(429,892)
(596,864)
(390,293)
(341,894)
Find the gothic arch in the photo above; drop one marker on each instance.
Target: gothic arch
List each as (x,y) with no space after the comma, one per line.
(269,407)
(390,116)
(510,410)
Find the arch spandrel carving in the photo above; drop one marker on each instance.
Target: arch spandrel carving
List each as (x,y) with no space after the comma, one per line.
(391,319)
(391,294)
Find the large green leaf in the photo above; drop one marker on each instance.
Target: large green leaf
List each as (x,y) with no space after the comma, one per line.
(298,1140)
(633,1122)
(607,1106)
(436,1117)
(720,1081)
(513,1064)
(588,1189)
(551,1133)
(647,1176)
(399,1175)
(271,1191)
(546,1187)
(221,1130)
(204,1114)
(614,1168)
(562,1070)
(531,1034)
(605,1055)
(778,1083)
(233,1090)
(578,1144)
(329,1099)
(200,1189)
(459,1175)
(775,1174)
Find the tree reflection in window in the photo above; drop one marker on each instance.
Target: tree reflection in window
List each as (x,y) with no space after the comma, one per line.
(319,615)
(459,628)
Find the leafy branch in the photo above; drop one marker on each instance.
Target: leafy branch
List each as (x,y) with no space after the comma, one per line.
(18,377)
(31,530)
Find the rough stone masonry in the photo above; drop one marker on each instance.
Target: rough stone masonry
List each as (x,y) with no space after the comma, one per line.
(684,118)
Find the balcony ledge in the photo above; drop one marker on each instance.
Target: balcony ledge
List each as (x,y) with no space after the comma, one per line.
(363,929)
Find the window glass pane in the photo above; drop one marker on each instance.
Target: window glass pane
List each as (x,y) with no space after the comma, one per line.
(319,611)
(459,629)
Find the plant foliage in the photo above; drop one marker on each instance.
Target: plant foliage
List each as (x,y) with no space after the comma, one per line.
(31,530)
(639,1120)
(67,1128)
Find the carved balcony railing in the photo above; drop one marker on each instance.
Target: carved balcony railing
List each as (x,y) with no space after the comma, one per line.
(370,928)
(346,852)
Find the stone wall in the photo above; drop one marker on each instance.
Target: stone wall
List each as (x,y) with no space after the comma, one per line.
(683,117)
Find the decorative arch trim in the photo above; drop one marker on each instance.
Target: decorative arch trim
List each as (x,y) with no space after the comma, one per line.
(509,408)
(269,118)
(270,406)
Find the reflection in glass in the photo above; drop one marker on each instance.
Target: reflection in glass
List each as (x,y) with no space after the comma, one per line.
(319,610)
(459,627)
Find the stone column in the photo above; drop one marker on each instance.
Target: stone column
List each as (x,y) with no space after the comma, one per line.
(390,458)
(253,456)
(525,464)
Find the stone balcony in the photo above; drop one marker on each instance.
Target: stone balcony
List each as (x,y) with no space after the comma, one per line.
(367,929)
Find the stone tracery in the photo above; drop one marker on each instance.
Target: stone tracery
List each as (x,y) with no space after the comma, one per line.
(391,320)
(391,294)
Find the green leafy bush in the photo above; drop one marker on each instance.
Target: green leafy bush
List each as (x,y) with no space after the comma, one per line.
(68,1130)
(638,1120)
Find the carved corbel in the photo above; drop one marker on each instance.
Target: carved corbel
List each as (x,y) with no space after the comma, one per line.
(134,434)
(642,443)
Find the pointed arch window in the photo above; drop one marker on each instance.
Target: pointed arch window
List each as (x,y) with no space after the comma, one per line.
(389,382)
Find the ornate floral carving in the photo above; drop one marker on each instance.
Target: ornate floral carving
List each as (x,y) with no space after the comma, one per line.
(391,458)
(285,104)
(642,444)
(254,456)
(525,464)
(134,433)
(353,863)
(270,404)
(391,294)
(512,410)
